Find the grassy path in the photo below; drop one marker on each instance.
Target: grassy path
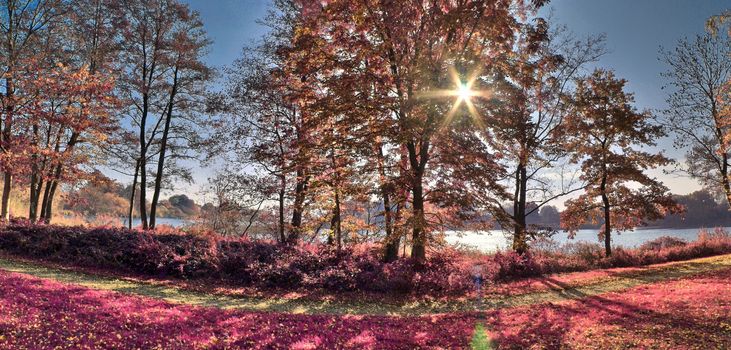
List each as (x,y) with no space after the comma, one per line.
(555,292)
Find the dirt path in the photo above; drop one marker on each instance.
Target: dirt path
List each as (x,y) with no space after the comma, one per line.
(555,291)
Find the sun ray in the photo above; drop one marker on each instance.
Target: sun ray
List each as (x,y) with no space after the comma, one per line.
(474,114)
(463,92)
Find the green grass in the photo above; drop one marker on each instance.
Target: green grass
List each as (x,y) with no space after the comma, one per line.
(557,292)
(480,340)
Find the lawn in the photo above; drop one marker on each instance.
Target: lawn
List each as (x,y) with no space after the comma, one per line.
(670,306)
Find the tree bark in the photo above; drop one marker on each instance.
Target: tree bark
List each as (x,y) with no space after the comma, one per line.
(392,241)
(418,246)
(44,202)
(35,180)
(35,199)
(143,195)
(7,187)
(520,244)
(6,135)
(417,160)
(725,181)
(298,207)
(163,148)
(49,203)
(335,226)
(132,196)
(282,193)
(607,218)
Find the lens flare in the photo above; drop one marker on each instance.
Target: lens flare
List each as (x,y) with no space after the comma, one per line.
(464,92)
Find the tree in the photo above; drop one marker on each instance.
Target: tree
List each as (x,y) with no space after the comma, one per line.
(605,134)
(715,23)
(161,48)
(99,195)
(23,23)
(87,43)
(187,91)
(261,132)
(398,55)
(237,204)
(531,85)
(71,111)
(699,71)
(266,121)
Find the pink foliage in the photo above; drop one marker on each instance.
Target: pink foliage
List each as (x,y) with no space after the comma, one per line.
(263,265)
(42,314)
(689,313)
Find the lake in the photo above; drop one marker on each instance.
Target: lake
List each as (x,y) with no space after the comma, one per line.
(174,222)
(495,240)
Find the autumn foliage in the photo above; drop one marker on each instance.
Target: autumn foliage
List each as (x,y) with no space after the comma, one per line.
(607,133)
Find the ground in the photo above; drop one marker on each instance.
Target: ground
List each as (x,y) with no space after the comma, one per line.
(684,305)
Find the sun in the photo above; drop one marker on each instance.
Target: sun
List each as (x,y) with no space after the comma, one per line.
(464,91)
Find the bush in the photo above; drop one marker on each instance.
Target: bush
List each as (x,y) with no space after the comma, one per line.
(257,264)
(266,265)
(663,242)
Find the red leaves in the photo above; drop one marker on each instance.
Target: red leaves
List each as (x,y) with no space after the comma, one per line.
(688,313)
(607,132)
(41,314)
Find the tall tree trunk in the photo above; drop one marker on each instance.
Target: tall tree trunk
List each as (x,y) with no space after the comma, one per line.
(418,159)
(7,130)
(418,245)
(143,189)
(148,75)
(282,193)
(44,202)
(35,178)
(520,243)
(725,181)
(49,203)
(130,213)
(34,197)
(335,226)
(607,218)
(45,164)
(163,148)
(73,140)
(298,207)
(7,187)
(392,241)
(35,200)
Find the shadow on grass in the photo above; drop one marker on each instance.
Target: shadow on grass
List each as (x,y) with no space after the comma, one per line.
(556,292)
(669,323)
(188,297)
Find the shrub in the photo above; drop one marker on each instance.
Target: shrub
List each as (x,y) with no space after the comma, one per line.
(589,253)
(258,264)
(663,242)
(267,265)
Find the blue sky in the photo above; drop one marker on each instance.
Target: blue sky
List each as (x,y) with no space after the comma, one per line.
(635,30)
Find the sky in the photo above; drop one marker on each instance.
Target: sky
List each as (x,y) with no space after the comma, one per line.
(635,31)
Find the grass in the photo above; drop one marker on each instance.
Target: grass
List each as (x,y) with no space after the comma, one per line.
(668,306)
(480,340)
(555,291)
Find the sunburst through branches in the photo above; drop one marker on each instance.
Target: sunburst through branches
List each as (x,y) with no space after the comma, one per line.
(463,91)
